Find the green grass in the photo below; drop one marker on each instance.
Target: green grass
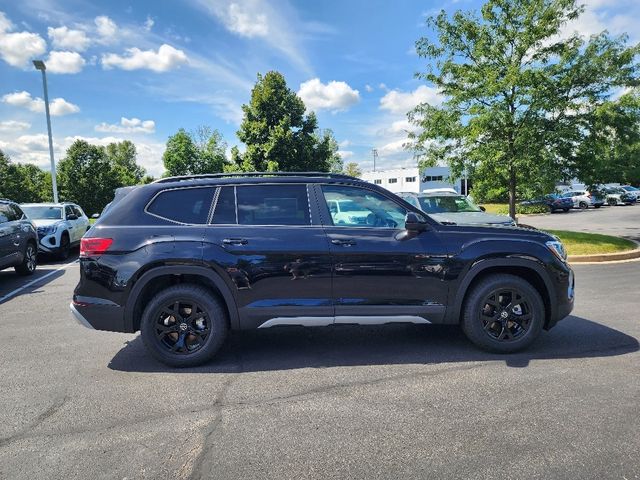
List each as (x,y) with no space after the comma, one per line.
(92,221)
(497,208)
(581,243)
(503,208)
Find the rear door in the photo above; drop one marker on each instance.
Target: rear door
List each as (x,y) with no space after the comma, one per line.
(9,239)
(267,243)
(380,275)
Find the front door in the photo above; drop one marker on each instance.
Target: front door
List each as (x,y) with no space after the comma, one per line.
(9,236)
(379,274)
(273,253)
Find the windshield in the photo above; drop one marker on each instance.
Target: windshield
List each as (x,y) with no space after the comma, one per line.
(43,212)
(447,204)
(630,189)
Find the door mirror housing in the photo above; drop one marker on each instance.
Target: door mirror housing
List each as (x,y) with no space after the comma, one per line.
(95,215)
(414,222)
(482,208)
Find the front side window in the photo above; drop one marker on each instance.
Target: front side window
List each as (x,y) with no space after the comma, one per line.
(183,205)
(68,211)
(362,208)
(6,213)
(273,205)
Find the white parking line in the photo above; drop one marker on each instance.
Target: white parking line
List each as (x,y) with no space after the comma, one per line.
(35,280)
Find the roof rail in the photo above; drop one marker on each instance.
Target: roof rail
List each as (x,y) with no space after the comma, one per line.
(254,174)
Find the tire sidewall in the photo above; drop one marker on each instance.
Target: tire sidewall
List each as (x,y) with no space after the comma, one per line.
(472,325)
(217,318)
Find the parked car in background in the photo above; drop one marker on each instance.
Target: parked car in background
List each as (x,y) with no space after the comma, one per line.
(552,201)
(584,199)
(632,191)
(60,226)
(618,196)
(221,252)
(453,208)
(18,239)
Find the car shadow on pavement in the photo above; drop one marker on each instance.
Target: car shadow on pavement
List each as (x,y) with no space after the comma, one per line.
(48,270)
(283,348)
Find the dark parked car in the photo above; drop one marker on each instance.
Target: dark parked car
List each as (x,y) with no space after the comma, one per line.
(553,202)
(18,239)
(187,259)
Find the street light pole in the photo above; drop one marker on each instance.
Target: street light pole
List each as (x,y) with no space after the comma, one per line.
(39,64)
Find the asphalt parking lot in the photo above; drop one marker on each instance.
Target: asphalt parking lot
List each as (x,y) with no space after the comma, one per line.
(338,402)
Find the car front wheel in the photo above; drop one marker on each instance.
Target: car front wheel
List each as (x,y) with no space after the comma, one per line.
(184,325)
(29,261)
(503,313)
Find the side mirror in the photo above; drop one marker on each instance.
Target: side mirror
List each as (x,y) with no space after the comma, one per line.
(414,222)
(95,215)
(482,208)
(72,217)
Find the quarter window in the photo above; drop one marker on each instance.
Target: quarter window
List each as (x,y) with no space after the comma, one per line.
(358,207)
(184,205)
(273,205)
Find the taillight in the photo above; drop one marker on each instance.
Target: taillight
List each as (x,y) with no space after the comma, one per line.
(90,247)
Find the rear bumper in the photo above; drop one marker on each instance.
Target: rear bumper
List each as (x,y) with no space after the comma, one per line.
(98,314)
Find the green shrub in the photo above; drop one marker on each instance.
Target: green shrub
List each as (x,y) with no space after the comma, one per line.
(528,209)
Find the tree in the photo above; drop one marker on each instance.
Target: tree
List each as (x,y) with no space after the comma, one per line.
(23,182)
(278,135)
(86,176)
(352,169)
(122,156)
(516,94)
(199,152)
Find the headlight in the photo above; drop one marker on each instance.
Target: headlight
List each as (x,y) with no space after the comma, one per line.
(557,249)
(48,230)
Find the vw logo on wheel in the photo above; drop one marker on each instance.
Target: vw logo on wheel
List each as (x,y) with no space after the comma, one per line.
(183,326)
(504,314)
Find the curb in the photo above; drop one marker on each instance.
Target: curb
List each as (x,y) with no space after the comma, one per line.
(606,257)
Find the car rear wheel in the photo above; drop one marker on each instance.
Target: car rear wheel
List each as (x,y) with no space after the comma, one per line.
(184,326)
(565,210)
(503,313)
(29,261)
(612,202)
(583,205)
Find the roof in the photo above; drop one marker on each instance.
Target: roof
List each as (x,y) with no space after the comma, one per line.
(47,204)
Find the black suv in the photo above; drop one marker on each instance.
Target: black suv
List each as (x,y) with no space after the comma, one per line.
(18,239)
(186,259)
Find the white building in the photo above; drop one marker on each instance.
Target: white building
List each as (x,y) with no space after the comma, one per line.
(411,179)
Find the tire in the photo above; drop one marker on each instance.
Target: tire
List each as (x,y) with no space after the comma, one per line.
(30,260)
(65,247)
(486,326)
(565,210)
(597,206)
(583,205)
(173,340)
(612,202)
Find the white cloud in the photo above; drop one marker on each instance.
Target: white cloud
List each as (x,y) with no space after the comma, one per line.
(68,39)
(128,125)
(333,96)
(345,154)
(149,23)
(399,102)
(397,146)
(368,88)
(166,58)
(65,62)
(245,21)
(18,48)
(13,126)
(57,107)
(105,27)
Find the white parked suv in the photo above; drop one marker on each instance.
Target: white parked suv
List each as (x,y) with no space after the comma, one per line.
(60,226)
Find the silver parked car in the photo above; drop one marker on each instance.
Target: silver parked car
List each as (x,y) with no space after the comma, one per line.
(453,208)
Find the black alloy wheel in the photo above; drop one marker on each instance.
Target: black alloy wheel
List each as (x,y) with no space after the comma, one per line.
(184,325)
(503,313)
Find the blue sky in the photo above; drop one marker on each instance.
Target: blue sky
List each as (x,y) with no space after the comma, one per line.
(141,70)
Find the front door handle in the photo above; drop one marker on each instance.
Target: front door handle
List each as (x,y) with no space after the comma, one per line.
(235,241)
(349,242)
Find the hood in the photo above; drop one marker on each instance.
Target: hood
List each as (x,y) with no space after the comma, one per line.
(45,222)
(472,218)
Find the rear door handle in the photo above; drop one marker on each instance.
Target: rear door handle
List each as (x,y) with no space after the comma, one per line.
(349,242)
(235,241)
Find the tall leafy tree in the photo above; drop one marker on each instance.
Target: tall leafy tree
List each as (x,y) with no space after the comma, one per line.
(86,176)
(278,133)
(516,93)
(199,152)
(122,156)
(352,169)
(23,182)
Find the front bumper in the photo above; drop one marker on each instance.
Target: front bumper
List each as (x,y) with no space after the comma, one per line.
(48,243)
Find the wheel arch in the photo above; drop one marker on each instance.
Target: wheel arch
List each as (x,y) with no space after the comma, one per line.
(528,270)
(163,276)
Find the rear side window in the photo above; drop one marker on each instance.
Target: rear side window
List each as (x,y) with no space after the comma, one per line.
(225,212)
(6,213)
(273,205)
(184,205)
